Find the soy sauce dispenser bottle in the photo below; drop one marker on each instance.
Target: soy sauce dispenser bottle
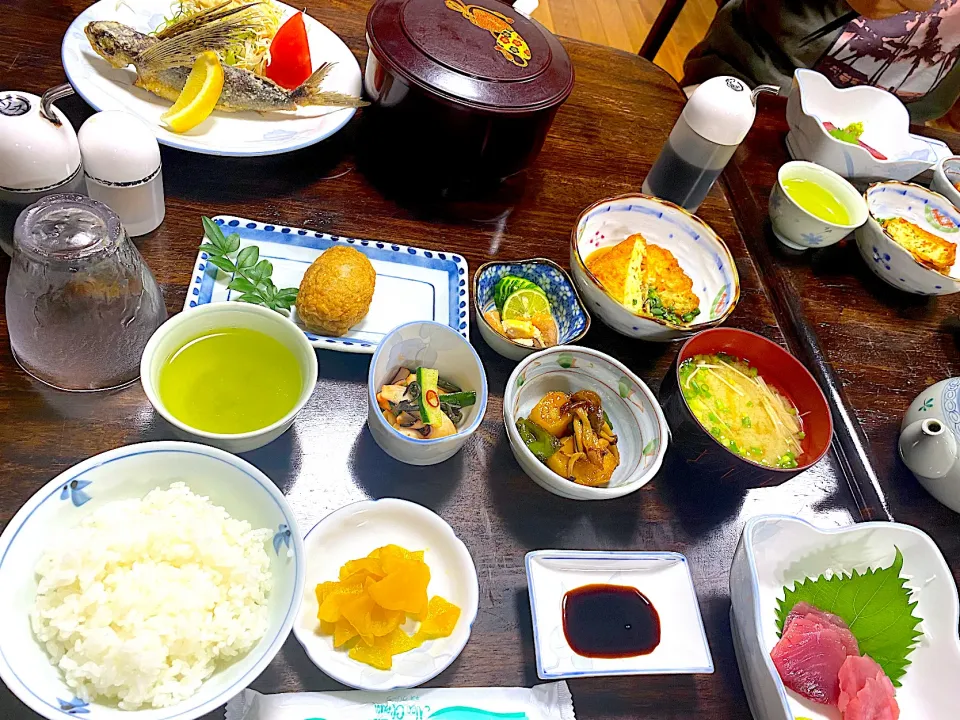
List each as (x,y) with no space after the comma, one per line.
(712,125)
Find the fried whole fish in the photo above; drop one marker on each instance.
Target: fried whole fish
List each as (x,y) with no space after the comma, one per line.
(163,62)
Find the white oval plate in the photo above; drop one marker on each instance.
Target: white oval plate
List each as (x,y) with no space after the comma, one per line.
(241,134)
(353,532)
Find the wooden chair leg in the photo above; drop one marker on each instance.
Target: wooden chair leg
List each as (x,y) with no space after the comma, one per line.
(661,28)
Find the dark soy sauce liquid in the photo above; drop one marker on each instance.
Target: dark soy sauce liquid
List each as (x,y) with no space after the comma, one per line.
(673,178)
(610,621)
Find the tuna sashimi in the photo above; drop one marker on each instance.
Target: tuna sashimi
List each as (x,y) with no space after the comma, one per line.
(809,656)
(866,692)
(812,612)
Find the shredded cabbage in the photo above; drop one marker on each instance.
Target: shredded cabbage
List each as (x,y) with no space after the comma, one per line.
(251,49)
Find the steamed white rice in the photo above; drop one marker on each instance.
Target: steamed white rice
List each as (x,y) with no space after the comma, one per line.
(143,600)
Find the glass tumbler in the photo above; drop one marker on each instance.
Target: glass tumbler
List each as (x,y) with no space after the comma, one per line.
(81,303)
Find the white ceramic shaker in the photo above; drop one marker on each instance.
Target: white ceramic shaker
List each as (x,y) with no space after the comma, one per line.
(39,154)
(121,161)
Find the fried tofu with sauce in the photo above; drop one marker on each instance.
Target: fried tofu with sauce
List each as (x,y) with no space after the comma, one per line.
(336,291)
(634,269)
(929,250)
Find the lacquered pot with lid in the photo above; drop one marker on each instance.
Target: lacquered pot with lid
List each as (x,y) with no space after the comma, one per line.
(463,95)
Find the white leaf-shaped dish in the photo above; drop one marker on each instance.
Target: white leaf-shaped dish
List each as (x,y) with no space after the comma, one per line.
(813,100)
(777,550)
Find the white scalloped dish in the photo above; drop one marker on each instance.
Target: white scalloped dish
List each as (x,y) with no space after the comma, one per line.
(813,100)
(777,550)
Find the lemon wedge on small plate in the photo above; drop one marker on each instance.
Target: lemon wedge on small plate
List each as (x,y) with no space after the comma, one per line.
(199,95)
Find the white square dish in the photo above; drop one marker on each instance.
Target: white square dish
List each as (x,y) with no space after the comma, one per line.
(776,550)
(663,577)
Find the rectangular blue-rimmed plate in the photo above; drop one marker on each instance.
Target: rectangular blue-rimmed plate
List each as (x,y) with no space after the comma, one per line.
(412,284)
(662,577)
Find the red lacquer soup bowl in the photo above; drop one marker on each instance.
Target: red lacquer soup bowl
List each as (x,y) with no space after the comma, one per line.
(779,369)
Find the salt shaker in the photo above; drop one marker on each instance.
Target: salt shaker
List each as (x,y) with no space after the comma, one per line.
(715,120)
(39,154)
(121,161)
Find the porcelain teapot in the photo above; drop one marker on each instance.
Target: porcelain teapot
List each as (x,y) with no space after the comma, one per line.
(930,441)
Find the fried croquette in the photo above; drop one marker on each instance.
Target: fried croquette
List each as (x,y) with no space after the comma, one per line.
(929,250)
(336,291)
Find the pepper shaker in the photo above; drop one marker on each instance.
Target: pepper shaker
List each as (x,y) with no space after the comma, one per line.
(121,161)
(39,154)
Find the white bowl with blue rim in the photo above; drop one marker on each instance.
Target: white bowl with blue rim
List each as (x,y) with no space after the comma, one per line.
(702,255)
(353,532)
(412,283)
(431,345)
(191,324)
(567,309)
(664,580)
(798,228)
(890,261)
(637,419)
(126,473)
(813,100)
(777,550)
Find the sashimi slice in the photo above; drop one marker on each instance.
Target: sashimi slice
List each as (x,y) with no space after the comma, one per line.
(866,692)
(812,612)
(809,656)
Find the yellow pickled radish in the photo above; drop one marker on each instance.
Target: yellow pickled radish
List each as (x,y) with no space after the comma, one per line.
(199,95)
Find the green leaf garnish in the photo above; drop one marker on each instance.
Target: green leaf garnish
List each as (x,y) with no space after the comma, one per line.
(251,275)
(876,607)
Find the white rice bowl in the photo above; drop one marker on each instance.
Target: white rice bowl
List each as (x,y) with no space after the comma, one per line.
(142,600)
(53,519)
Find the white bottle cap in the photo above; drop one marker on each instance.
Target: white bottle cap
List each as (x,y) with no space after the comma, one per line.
(721,110)
(118,147)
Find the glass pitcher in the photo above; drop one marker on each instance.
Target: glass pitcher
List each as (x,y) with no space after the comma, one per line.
(81,303)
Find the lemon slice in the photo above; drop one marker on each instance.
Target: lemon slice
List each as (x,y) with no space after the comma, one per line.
(524,304)
(199,95)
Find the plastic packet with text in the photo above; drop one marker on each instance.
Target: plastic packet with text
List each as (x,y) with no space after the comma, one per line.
(551,701)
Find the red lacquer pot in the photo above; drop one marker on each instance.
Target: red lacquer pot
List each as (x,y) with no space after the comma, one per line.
(462,94)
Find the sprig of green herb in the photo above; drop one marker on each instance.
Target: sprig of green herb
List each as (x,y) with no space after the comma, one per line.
(251,275)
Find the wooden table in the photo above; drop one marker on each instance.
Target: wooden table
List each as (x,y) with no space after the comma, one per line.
(602,143)
(875,348)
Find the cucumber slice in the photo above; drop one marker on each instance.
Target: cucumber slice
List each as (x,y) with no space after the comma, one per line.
(509,284)
(429,401)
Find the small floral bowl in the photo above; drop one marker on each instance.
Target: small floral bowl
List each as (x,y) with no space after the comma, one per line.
(567,308)
(636,417)
(127,473)
(702,255)
(890,261)
(799,229)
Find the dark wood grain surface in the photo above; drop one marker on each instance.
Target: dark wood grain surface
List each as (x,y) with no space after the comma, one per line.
(881,346)
(602,143)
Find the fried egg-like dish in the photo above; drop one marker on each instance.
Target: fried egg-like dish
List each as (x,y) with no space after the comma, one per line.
(646,279)
(929,250)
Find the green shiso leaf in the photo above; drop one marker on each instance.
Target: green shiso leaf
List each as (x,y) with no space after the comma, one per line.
(875,605)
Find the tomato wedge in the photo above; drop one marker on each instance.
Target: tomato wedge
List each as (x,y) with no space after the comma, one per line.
(289,63)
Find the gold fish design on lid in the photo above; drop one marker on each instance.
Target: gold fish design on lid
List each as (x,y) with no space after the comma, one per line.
(510,44)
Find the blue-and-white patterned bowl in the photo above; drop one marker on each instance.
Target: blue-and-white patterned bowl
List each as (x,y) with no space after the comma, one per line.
(891,262)
(132,472)
(703,256)
(798,228)
(568,309)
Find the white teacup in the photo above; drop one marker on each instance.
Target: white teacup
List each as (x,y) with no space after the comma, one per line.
(800,229)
